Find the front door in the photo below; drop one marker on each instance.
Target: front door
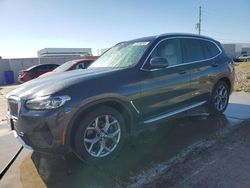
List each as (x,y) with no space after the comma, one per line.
(165,89)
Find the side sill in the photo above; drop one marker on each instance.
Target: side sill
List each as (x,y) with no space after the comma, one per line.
(169,114)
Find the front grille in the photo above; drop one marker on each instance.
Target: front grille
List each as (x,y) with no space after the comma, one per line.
(13,107)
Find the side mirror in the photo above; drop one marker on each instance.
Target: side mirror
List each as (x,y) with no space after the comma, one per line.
(158,62)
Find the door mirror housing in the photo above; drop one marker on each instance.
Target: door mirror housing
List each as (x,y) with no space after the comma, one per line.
(158,62)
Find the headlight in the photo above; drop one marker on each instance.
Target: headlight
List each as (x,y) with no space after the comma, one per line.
(47,102)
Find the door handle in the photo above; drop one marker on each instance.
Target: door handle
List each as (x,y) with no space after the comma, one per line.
(214,64)
(183,72)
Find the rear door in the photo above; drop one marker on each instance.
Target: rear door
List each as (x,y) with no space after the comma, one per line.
(201,55)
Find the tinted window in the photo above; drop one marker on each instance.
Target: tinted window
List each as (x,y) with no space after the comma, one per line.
(193,50)
(170,50)
(37,68)
(54,66)
(88,63)
(44,67)
(33,68)
(213,50)
(84,64)
(81,66)
(48,67)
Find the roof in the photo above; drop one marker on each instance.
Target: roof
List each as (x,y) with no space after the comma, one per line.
(150,38)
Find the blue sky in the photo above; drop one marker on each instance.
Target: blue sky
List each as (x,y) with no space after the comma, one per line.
(30,25)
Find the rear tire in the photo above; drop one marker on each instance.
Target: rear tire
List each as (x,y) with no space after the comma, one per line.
(100,136)
(219,98)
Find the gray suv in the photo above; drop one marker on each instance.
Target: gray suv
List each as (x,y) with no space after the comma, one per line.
(136,83)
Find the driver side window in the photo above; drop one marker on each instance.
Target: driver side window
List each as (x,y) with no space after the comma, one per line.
(170,50)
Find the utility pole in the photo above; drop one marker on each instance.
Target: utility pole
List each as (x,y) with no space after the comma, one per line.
(199,24)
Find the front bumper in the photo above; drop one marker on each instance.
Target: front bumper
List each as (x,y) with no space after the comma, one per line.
(21,140)
(39,131)
(19,136)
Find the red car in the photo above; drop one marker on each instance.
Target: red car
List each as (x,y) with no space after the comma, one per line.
(35,71)
(72,65)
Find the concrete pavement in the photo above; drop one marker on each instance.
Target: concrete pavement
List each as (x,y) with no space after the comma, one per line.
(9,145)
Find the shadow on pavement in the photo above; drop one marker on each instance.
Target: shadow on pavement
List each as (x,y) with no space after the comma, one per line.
(154,145)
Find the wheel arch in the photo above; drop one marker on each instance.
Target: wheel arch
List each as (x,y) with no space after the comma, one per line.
(227,81)
(224,79)
(210,108)
(117,104)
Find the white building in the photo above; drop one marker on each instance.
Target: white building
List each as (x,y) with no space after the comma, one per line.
(236,49)
(55,52)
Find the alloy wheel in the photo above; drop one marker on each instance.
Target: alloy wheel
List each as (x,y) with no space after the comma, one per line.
(102,136)
(221,97)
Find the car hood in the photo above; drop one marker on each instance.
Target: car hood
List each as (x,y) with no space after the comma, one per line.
(52,84)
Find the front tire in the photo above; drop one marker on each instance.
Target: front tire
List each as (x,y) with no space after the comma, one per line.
(219,99)
(100,136)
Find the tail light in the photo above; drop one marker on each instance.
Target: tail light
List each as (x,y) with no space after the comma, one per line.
(22,72)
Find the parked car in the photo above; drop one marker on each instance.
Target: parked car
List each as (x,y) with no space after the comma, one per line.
(135,84)
(235,59)
(243,58)
(35,71)
(72,65)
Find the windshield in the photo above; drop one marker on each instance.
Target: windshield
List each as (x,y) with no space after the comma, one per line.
(64,66)
(122,55)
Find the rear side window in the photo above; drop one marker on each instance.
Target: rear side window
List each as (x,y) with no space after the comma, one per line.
(48,67)
(33,69)
(212,48)
(38,68)
(54,66)
(193,50)
(44,67)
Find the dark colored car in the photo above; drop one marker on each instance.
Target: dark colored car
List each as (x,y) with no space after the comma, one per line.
(135,84)
(72,65)
(35,71)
